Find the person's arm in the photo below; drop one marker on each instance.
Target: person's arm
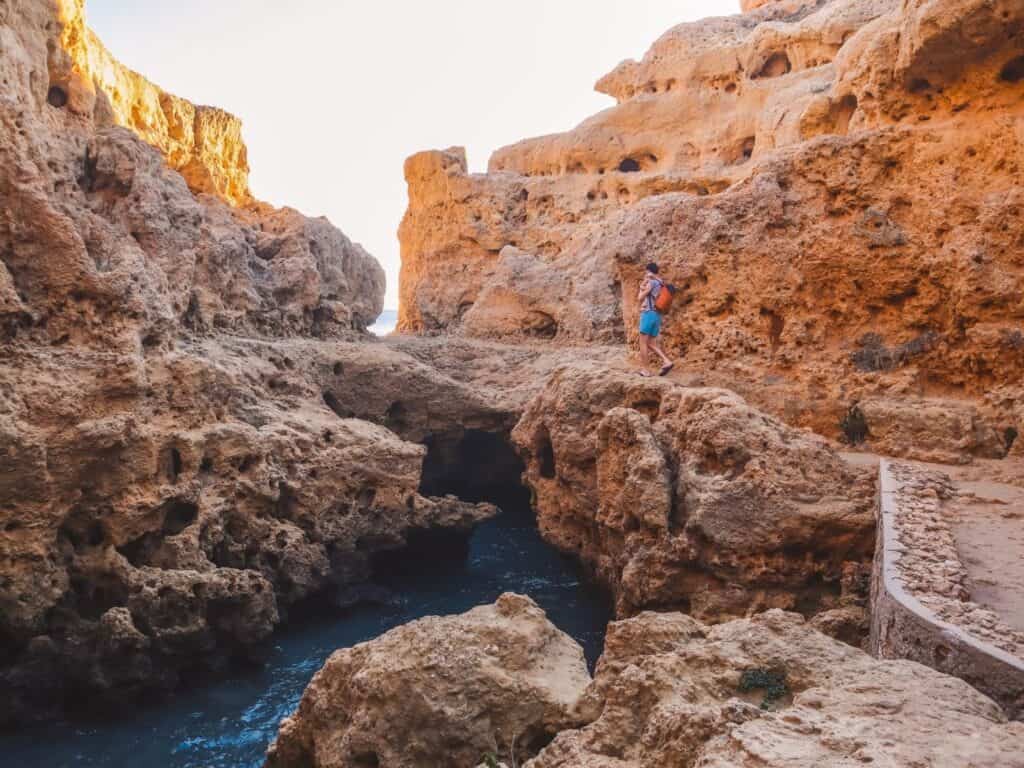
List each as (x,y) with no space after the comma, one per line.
(645,290)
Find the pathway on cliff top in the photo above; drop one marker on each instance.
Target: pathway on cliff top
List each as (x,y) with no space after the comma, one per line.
(988,523)
(987,520)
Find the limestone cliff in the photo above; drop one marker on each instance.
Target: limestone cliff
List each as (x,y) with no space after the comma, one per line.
(187,449)
(204,144)
(689,499)
(834,186)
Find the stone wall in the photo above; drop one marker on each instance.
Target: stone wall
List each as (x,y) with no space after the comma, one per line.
(921,608)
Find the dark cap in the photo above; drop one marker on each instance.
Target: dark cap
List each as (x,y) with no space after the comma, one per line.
(653,268)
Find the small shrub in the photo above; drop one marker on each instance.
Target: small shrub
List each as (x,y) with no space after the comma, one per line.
(1011,434)
(854,426)
(873,355)
(1013,339)
(772,683)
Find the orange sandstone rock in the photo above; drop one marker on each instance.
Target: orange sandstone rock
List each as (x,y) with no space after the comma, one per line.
(835,189)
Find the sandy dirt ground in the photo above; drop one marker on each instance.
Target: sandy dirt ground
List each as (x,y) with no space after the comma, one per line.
(988,524)
(987,518)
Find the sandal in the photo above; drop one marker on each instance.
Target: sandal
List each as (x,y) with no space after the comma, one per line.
(665,370)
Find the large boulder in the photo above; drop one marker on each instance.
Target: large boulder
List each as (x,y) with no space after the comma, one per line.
(689,498)
(444,692)
(770,692)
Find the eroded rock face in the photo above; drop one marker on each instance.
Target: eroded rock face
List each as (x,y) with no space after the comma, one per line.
(195,435)
(203,143)
(833,185)
(770,691)
(439,692)
(689,498)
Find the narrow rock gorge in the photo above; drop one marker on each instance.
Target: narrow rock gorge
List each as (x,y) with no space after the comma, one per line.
(195,435)
(201,445)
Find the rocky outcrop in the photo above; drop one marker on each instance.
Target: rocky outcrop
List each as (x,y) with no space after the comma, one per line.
(688,498)
(204,144)
(770,691)
(194,435)
(833,185)
(498,680)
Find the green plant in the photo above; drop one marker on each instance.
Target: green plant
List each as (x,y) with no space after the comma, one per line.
(491,760)
(772,683)
(854,426)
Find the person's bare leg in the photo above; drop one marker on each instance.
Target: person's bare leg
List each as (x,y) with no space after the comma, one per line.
(655,344)
(645,353)
(667,364)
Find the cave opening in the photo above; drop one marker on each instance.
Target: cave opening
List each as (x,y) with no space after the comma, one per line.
(776,65)
(474,465)
(1013,70)
(57,97)
(453,571)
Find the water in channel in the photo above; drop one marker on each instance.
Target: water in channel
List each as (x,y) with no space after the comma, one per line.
(229,724)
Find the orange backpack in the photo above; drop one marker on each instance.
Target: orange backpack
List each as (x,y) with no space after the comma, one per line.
(663,301)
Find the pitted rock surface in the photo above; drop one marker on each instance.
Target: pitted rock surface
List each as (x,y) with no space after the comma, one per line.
(770,691)
(689,497)
(440,692)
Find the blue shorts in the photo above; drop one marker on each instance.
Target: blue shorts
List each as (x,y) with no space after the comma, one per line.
(650,323)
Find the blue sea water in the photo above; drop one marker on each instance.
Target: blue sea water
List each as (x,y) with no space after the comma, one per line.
(229,724)
(385,324)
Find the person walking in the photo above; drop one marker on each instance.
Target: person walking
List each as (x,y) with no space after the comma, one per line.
(650,320)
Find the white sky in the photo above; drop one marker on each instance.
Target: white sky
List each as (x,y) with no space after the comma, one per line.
(335,94)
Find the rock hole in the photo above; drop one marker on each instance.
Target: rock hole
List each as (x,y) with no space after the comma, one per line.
(171,464)
(649,408)
(1013,70)
(206,465)
(339,369)
(332,402)
(81,530)
(366,497)
(474,465)
(287,503)
(919,85)
(192,319)
(545,454)
(366,760)
(747,148)
(842,113)
(1010,436)
(178,515)
(776,325)
(540,325)
(776,65)
(57,97)
(397,417)
(629,165)
(96,595)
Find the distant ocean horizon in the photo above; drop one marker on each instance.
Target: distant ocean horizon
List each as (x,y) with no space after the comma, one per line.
(386,323)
